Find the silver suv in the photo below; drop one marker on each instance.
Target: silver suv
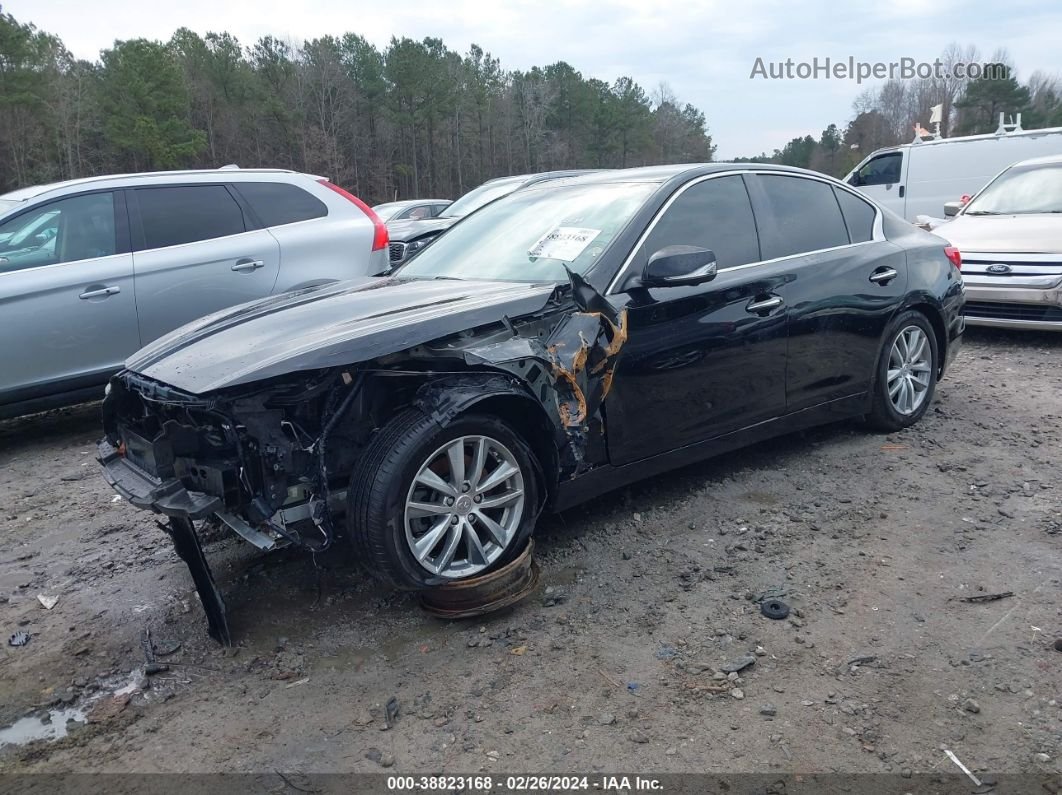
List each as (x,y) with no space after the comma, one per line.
(93,269)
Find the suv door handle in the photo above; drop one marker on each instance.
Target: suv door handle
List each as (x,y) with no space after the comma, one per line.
(883,275)
(765,305)
(102,292)
(247,265)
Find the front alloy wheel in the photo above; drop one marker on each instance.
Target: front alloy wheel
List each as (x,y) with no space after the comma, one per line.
(432,504)
(464,506)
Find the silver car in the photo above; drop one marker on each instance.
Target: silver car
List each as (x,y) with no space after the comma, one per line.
(1010,238)
(93,269)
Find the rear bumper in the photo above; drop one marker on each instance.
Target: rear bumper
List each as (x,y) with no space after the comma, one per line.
(142,490)
(991,302)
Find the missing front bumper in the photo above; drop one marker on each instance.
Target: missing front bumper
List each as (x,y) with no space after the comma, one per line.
(168,497)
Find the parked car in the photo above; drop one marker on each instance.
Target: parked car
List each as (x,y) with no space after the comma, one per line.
(919,178)
(1010,236)
(410,210)
(412,236)
(565,340)
(93,269)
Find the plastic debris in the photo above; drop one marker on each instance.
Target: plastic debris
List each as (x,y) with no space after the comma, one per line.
(47,602)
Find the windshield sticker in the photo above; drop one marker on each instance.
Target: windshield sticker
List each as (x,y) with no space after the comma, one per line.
(564,243)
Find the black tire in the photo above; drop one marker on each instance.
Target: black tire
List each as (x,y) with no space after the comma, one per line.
(379,486)
(884,416)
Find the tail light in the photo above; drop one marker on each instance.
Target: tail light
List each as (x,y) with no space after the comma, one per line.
(379,238)
(953,256)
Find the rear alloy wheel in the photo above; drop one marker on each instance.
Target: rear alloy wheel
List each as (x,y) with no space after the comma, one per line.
(431,505)
(907,373)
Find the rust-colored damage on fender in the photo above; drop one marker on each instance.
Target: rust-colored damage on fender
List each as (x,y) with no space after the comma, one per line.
(577,354)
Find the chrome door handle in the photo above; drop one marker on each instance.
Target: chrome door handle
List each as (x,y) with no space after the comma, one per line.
(103,292)
(248,265)
(765,305)
(883,276)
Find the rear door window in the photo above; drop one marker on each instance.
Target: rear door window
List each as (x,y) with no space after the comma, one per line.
(278,203)
(804,216)
(858,216)
(715,214)
(174,215)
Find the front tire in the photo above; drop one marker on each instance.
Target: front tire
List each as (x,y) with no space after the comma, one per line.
(906,377)
(431,505)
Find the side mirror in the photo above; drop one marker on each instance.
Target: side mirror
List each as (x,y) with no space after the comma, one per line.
(674,266)
(951,209)
(854,179)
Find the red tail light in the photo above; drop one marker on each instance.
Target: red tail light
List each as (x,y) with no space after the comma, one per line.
(379,238)
(953,254)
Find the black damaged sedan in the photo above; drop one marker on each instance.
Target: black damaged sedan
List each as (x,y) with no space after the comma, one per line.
(558,343)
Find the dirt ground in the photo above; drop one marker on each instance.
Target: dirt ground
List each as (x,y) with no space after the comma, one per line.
(646,595)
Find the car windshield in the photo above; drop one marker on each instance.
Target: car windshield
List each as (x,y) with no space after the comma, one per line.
(1019,191)
(477,197)
(532,235)
(389,210)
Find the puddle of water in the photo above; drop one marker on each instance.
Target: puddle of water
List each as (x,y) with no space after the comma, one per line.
(28,729)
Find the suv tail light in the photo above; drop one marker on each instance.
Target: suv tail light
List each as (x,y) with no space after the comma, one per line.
(953,254)
(379,238)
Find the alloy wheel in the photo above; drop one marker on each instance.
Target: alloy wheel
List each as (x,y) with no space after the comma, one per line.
(464,506)
(910,370)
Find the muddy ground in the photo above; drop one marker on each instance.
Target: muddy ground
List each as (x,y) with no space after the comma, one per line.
(646,594)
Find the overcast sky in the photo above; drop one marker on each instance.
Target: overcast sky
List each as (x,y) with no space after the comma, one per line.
(704,49)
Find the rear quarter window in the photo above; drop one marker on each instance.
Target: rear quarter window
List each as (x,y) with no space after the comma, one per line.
(804,215)
(858,216)
(279,203)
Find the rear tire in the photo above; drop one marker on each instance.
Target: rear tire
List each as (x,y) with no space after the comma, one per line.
(431,505)
(906,377)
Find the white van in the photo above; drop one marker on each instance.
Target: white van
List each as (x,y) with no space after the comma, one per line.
(918,178)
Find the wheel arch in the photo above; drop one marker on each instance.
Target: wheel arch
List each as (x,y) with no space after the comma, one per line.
(935,316)
(502,396)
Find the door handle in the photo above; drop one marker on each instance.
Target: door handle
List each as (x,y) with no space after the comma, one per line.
(883,275)
(248,265)
(102,292)
(766,305)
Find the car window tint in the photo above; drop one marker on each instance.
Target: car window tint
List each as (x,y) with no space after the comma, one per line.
(882,170)
(805,216)
(188,213)
(68,230)
(715,214)
(278,203)
(858,216)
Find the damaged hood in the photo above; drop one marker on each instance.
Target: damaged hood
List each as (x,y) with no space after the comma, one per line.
(329,326)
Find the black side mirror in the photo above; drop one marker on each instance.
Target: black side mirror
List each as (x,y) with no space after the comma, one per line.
(674,266)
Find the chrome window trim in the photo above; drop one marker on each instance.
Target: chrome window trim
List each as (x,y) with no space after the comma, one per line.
(878,232)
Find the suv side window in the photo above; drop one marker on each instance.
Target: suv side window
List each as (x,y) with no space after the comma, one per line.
(67,230)
(715,214)
(858,216)
(187,213)
(882,170)
(278,203)
(805,216)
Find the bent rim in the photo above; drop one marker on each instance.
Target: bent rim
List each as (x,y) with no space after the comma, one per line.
(910,370)
(464,506)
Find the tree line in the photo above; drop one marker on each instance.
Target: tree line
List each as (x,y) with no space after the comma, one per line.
(887,115)
(415,119)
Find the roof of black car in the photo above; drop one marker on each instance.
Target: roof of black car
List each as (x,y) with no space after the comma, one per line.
(669,172)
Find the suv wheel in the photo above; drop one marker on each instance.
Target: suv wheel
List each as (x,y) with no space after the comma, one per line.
(907,373)
(431,505)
